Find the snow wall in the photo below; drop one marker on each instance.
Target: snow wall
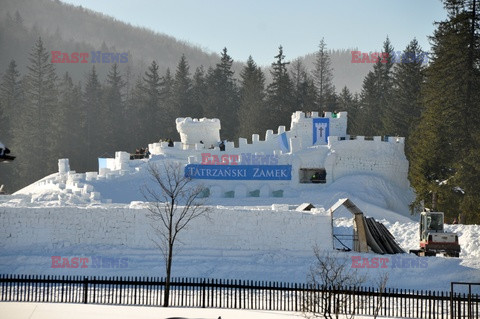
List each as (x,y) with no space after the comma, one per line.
(224,229)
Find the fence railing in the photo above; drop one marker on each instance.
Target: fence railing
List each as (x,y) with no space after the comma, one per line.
(458,310)
(239,294)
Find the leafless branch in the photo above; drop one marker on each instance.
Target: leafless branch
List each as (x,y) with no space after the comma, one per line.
(174,201)
(330,272)
(381,285)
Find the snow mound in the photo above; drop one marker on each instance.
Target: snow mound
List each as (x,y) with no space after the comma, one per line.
(374,195)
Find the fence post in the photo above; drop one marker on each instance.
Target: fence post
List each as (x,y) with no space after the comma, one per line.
(85,289)
(451,300)
(469,301)
(270,296)
(204,295)
(461,305)
(296,297)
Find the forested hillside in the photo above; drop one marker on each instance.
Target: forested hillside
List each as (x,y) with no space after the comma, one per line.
(49,111)
(69,28)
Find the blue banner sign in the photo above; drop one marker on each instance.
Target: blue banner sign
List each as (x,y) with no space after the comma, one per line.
(239,172)
(321,130)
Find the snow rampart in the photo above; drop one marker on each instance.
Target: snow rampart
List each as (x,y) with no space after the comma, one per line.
(223,229)
(385,159)
(314,144)
(192,131)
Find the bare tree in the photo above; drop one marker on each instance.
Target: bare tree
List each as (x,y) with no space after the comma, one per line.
(174,201)
(330,274)
(381,284)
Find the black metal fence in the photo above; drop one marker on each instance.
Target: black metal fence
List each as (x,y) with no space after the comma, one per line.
(240,294)
(470,308)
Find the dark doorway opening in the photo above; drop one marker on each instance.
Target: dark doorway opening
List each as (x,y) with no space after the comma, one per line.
(313,175)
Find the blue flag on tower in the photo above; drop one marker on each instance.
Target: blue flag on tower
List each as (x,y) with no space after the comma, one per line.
(321,130)
(283,141)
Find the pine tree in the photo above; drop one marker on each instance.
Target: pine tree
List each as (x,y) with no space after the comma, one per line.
(384,72)
(199,92)
(445,143)
(18,18)
(467,185)
(349,103)
(405,108)
(10,98)
(377,93)
(468,169)
(323,78)
(280,98)
(135,115)
(304,90)
(167,107)
(369,98)
(72,116)
(114,110)
(94,110)
(39,118)
(11,105)
(464,21)
(430,160)
(222,96)
(182,90)
(153,117)
(252,100)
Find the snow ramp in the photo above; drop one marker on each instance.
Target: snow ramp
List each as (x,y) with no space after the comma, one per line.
(368,233)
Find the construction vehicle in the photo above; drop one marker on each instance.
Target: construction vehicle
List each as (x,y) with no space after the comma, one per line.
(3,154)
(433,238)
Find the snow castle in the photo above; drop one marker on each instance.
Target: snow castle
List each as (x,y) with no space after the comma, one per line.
(254,189)
(314,153)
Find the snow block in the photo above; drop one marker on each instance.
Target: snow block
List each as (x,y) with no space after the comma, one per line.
(193,131)
(216,192)
(240,191)
(90,176)
(63,166)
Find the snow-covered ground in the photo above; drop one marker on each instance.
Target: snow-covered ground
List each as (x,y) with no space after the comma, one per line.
(375,196)
(15,310)
(264,265)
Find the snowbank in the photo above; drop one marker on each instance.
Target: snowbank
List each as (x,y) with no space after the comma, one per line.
(16,310)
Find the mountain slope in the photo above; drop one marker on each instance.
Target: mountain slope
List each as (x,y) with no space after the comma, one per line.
(68,28)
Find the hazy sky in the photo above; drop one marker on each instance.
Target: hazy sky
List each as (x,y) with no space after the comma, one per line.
(258,27)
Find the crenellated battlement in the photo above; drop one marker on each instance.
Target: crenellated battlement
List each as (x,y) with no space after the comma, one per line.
(200,135)
(387,139)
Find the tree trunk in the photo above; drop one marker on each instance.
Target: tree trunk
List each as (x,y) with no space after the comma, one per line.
(166,297)
(434,201)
